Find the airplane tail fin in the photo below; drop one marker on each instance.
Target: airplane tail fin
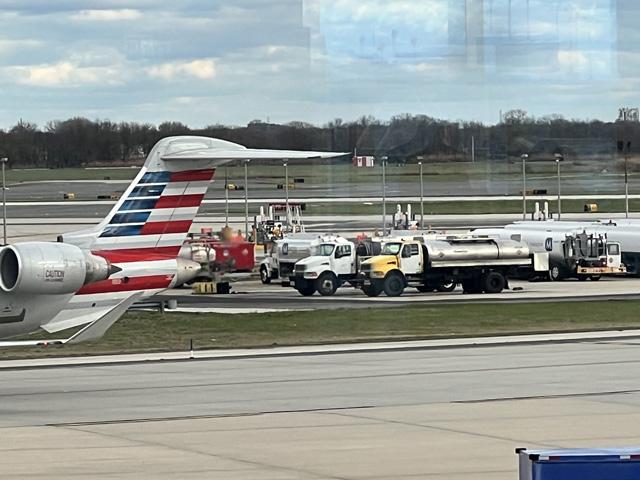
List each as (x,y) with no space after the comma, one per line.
(152,218)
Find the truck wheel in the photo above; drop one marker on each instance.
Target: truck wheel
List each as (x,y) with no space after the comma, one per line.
(372,290)
(265,276)
(446,287)
(554,273)
(327,284)
(393,284)
(493,282)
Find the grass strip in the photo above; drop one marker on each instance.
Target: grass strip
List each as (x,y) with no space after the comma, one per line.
(445,207)
(149,332)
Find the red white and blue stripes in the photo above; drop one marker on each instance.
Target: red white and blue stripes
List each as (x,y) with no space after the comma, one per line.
(147,229)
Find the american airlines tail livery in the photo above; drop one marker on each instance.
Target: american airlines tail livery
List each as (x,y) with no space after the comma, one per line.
(92,277)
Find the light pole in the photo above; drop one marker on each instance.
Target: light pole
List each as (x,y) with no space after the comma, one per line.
(421,198)
(627,148)
(384,195)
(524,157)
(4,161)
(226,196)
(286,190)
(559,158)
(246,199)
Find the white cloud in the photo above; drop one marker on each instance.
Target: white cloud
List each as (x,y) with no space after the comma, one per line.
(574,59)
(107,15)
(203,69)
(12,45)
(64,74)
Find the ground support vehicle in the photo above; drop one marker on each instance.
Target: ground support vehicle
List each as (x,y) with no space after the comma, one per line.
(479,264)
(574,251)
(579,464)
(284,253)
(334,262)
(591,256)
(278,221)
(221,262)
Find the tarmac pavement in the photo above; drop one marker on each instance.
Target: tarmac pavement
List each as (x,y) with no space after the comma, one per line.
(448,413)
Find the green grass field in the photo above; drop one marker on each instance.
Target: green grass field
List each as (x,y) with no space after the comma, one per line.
(38,175)
(145,332)
(440,208)
(331,172)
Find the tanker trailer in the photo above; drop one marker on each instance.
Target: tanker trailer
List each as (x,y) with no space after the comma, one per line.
(480,264)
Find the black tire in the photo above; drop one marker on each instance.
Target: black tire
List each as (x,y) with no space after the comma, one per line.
(554,273)
(223,288)
(493,282)
(327,284)
(595,278)
(393,285)
(372,290)
(446,287)
(265,276)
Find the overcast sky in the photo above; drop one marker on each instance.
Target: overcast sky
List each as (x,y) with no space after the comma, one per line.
(211,61)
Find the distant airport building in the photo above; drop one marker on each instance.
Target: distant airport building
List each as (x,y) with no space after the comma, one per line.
(363,161)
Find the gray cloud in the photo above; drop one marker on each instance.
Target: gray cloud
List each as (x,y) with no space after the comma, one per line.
(202,61)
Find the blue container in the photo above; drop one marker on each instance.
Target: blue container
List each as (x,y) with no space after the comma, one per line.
(580,464)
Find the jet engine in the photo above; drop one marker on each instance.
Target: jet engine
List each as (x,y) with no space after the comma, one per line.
(49,268)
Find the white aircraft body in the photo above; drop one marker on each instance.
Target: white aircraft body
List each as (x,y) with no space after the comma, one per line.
(92,277)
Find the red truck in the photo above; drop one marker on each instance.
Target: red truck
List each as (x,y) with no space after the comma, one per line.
(222,261)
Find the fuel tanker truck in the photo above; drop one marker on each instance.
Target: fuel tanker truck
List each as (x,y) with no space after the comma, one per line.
(480,264)
(576,250)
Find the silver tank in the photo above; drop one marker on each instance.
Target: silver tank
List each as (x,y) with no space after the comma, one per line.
(461,251)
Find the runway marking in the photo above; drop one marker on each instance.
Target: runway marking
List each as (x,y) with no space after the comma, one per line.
(236,310)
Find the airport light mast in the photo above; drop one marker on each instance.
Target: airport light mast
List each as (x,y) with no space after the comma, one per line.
(524,157)
(246,199)
(384,195)
(286,190)
(559,158)
(4,161)
(627,150)
(421,196)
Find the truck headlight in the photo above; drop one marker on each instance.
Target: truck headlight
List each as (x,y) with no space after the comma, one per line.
(311,274)
(377,274)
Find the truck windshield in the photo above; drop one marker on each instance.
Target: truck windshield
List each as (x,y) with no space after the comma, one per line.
(325,250)
(391,248)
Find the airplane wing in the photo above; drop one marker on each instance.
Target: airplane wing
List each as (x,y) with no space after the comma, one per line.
(93,331)
(247,154)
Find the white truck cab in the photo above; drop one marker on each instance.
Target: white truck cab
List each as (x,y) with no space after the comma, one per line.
(334,261)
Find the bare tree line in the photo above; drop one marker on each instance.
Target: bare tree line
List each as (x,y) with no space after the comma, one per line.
(79,142)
